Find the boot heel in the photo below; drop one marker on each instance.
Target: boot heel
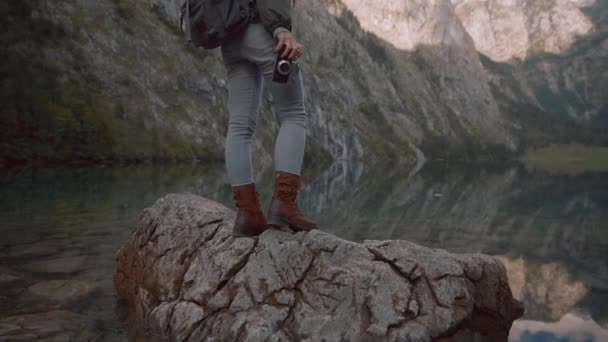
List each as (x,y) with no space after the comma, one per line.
(236,231)
(250,220)
(277,221)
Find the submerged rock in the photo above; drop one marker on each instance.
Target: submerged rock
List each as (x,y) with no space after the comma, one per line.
(184,277)
(62,265)
(12,283)
(10,279)
(58,293)
(32,250)
(56,325)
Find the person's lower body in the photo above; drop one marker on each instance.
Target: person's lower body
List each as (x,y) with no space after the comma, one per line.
(249,61)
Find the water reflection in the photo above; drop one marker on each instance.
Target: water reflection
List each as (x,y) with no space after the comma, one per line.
(61,224)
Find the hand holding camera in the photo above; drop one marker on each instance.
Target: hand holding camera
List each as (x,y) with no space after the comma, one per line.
(287,50)
(289,45)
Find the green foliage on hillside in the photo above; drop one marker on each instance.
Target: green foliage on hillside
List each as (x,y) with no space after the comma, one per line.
(123,9)
(40,114)
(52,114)
(547,121)
(569,159)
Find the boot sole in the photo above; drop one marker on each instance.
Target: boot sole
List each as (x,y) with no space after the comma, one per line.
(279,221)
(241,233)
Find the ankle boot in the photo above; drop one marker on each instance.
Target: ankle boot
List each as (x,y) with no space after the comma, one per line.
(283,210)
(250,220)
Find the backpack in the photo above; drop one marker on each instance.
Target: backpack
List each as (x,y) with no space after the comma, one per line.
(210,23)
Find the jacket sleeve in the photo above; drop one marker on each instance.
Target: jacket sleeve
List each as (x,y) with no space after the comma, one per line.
(275,15)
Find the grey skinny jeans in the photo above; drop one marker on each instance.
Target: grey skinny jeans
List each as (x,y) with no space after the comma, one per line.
(249,62)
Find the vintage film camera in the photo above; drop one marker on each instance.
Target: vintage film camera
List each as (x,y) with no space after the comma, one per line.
(284,68)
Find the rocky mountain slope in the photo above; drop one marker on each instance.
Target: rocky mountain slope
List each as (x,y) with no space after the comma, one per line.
(558,92)
(504,30)
(399,80)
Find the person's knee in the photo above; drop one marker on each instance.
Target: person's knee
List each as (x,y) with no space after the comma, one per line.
(241,129)
(294,117)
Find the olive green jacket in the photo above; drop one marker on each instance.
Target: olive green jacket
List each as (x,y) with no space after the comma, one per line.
(275,15)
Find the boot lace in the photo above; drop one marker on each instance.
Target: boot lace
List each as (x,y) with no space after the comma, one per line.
(287,192)
(240,204)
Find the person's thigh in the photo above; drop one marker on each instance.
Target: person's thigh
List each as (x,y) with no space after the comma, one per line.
(289,99)
(257,47)
(244,92)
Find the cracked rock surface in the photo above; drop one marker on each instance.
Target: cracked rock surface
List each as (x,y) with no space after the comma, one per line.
(184,278)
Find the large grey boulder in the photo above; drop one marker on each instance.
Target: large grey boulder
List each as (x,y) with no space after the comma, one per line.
(184,278)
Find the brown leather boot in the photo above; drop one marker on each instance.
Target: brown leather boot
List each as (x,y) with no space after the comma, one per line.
(250,220)
(283,210)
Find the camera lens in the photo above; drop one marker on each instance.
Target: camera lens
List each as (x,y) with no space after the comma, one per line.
(284,67)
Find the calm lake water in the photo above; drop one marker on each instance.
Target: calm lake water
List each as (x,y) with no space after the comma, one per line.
(550,231)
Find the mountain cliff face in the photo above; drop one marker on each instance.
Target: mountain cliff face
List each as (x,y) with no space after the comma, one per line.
(559,95)
(504,30)
(433,67)
(371,96)
(399,80)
